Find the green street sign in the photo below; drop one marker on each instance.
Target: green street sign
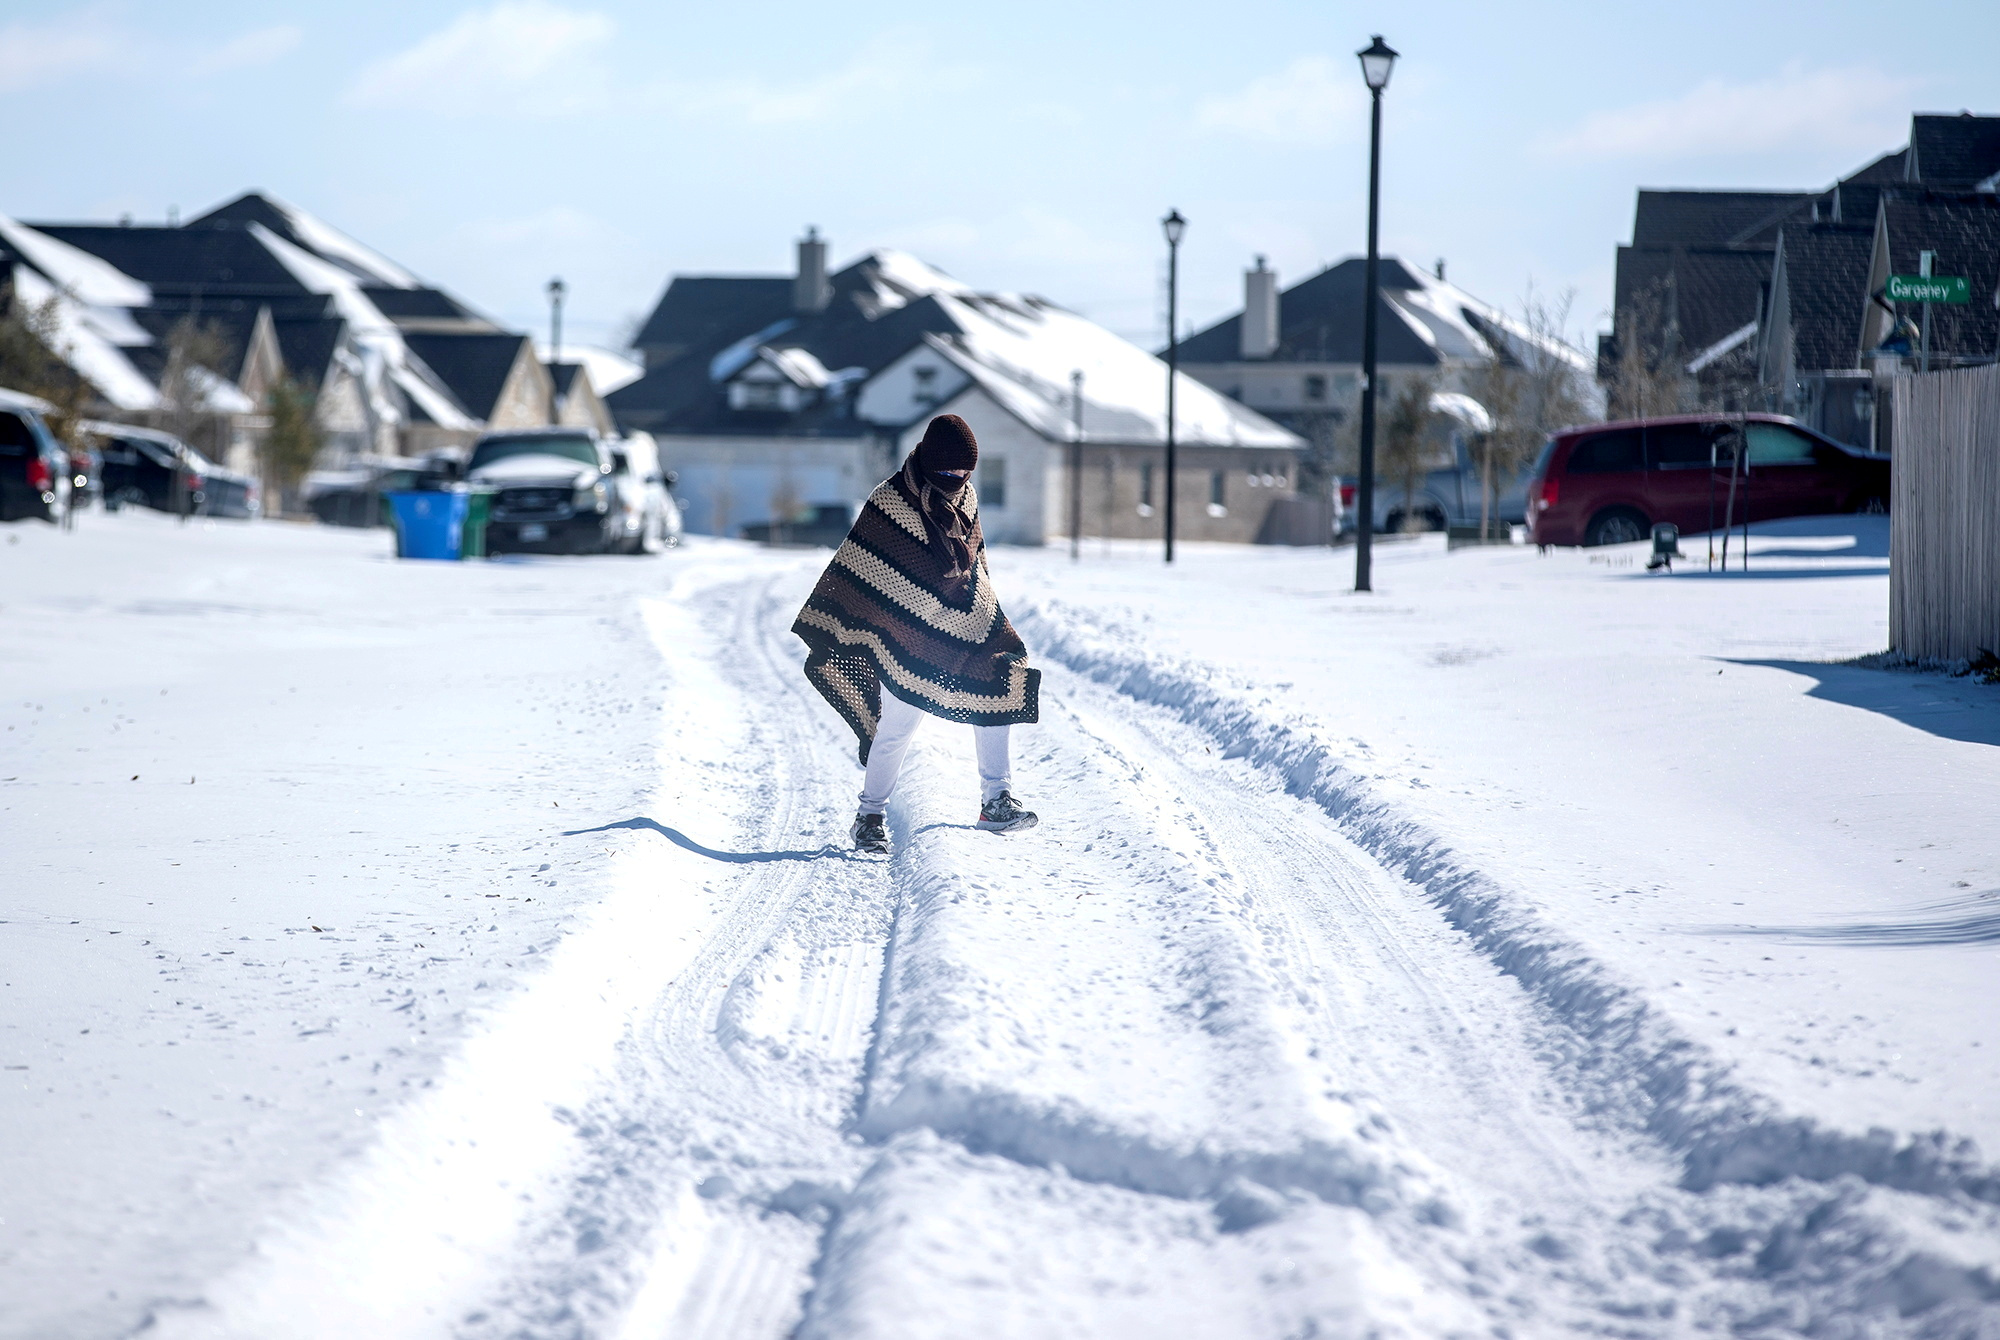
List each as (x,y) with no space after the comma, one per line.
(1932,288)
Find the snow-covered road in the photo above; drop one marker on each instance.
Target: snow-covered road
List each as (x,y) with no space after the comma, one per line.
(1189,1059)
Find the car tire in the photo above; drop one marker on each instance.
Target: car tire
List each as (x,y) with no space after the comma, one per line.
(1616,525)
(1428,519)
(129,496)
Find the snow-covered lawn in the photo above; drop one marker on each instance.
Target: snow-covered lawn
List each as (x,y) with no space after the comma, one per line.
(424,950)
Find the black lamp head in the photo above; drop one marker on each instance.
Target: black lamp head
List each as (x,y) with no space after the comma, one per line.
(1377,60)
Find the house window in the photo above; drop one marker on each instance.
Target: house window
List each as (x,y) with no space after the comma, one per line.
(1315,387)
(926,384)
(992,484)
(1145,488)
(758,395)
(1218,486)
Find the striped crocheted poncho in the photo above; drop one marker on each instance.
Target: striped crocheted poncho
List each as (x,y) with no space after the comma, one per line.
(878,618)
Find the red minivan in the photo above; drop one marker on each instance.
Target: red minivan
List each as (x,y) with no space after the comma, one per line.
(1610,482)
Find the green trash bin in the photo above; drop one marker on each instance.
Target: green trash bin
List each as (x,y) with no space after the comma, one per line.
(478,510)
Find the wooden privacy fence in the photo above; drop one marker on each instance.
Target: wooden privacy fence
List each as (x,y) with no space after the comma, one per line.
(1944,547)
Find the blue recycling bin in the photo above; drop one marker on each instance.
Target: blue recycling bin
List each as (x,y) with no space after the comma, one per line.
(428,525)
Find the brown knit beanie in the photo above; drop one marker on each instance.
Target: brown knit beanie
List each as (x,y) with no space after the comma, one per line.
(948,445)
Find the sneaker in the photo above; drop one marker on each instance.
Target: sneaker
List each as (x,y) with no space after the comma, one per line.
(870,833)
(1003,814)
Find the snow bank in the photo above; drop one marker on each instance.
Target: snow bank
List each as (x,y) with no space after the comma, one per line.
(1627,1053)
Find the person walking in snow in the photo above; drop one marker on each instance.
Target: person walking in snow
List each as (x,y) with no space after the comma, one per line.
(907,606)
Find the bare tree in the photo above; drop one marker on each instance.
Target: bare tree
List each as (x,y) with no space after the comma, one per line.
(196,354)
(293,441)
(1406,441)
(1332,450)
(33,360)
(1649,376)
(1530,389)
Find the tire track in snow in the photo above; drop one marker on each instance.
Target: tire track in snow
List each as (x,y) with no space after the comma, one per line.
(708,1164)
(1656,1231)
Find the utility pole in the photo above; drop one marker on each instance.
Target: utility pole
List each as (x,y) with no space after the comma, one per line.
(1174,226)
(1076,465)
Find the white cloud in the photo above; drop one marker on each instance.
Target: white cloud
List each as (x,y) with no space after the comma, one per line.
(33,54)
(524,56)
(78,45)
(1314,100)
(884,66)
(1854,110)
(258,48)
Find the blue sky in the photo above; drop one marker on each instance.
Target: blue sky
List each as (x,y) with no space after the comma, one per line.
(1028,146)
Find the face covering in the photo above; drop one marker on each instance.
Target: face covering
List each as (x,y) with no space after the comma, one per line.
(949,530)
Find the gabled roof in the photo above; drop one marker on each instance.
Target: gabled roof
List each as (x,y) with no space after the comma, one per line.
(1420,320)
(473,367)
(1954,151)
(699,311)
(417,308)
(883,306)
(1713,218)
(1708,292)
(1964,232)
(219,261)
(308,345)
(1826,282)
(315,235)
(563,376)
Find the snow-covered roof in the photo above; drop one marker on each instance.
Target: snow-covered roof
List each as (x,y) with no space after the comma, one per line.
(1462,407)
(82,342)
(731,360)
(1735,339)
(91,279)
(898,278)
(364,262)
(799,366)
(608,369)
(386,355)
(22,400)
(1023,350)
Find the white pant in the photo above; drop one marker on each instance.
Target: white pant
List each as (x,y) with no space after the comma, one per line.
(892,740)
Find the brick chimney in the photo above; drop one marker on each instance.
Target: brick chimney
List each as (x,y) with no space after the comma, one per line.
(810,291)
(1259,327)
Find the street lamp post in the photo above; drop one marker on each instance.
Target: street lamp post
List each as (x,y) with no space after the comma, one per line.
(556,291)
(1174,226)
(1377,60)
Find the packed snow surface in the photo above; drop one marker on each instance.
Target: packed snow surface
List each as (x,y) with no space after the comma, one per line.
(1532,947)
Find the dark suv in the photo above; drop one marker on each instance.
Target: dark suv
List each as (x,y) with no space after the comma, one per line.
(34,468)
(143,467)
(1609,483)
(552,492)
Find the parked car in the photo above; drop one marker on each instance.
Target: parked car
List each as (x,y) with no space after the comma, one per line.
(1610,483)
(649,517)
(84,481)
(143,467)
(35,479)
(553,492)
(1447,492)
(821,525)
(356,497)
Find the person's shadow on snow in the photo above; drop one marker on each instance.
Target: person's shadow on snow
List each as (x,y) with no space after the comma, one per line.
(686,843)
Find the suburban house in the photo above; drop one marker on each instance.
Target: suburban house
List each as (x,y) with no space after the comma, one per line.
(1295,356)
(578,403)
(1774,299)
(773,396)
(400,367)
